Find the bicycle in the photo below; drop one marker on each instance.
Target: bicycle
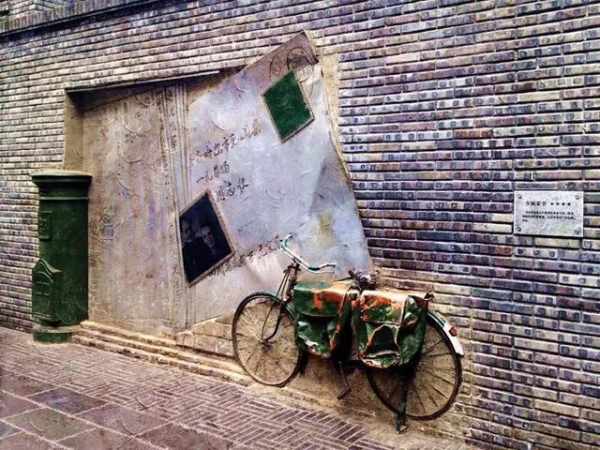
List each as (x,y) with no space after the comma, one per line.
(270,345)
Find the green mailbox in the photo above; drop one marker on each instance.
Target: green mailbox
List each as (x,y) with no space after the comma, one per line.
(60,277)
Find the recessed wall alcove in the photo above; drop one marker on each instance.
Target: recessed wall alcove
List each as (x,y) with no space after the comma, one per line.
(130,139)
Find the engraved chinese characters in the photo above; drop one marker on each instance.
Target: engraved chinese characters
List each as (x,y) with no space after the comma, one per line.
(549,213)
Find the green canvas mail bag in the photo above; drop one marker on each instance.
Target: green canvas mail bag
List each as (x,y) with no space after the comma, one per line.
(390,326)
(321,311)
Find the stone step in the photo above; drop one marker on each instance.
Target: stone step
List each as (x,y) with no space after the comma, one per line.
(225,318)
(98,333)
(206,343)
(213,328)
(189,364)
(210,336)
(126,334)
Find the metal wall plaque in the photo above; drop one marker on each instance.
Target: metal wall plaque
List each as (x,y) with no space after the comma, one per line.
(549,213)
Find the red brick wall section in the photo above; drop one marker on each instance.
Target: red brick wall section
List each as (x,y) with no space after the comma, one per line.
(446,108)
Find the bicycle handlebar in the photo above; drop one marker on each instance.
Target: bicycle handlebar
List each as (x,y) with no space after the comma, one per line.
(296,258)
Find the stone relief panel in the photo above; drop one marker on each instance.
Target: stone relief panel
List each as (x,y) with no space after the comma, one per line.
(260,142)
(131,211)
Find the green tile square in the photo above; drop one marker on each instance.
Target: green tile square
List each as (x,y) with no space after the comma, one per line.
(288,107)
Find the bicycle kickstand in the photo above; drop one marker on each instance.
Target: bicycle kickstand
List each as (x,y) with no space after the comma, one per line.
(347,388)
(400,422)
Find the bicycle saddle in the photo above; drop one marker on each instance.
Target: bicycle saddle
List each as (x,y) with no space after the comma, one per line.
(366,279)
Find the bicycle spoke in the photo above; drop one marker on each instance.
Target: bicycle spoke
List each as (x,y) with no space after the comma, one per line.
(428,393)
(251,316)
(252,327)
(451,382)
(425,352)
(252,335)
(260,366)
(437,363)
(275,361)
(437,355)
(420,399)
(252,354)
(435,383)
(438,390)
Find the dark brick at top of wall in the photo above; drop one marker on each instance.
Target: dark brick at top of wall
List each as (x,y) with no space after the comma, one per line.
(446,108)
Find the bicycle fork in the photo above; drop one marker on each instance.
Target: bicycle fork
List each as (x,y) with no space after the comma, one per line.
(266,340)
(284,292)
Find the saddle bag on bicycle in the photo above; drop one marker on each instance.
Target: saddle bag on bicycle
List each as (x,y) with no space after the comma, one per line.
(390,326)
(321,312)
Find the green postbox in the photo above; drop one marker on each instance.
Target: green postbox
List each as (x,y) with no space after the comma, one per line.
(60,277)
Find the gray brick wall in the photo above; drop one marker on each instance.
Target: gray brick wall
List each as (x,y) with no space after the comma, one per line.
(20,8)
(446,108)
(16,7)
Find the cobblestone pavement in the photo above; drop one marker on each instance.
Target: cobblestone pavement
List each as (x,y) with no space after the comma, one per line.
(74,397)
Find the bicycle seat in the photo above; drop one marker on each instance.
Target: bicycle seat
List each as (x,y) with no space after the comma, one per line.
(366,279)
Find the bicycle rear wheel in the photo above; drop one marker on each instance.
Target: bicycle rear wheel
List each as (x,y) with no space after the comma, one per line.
(434,384)
(263,340)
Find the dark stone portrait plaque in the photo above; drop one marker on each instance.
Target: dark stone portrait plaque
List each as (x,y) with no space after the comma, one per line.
(204,242)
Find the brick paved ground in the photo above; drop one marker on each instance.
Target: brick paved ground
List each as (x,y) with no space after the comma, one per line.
(76,397)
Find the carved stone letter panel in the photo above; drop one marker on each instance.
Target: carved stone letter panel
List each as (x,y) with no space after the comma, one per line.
(260,142)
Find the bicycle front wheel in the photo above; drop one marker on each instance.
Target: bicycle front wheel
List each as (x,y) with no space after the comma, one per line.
(434,384)
(263,340)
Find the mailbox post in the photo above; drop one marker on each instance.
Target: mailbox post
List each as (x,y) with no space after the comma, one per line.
(60,277)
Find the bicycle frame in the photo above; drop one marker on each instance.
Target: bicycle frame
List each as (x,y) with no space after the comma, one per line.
(284,294)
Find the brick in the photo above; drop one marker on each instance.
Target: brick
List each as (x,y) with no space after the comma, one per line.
(445,108)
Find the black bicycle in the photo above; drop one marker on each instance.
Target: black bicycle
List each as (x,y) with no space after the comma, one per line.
(269,344)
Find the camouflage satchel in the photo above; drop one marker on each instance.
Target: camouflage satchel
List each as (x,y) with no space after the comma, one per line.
(321,311)
(389,326)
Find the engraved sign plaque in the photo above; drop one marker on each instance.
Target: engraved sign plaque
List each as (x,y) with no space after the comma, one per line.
(549,213)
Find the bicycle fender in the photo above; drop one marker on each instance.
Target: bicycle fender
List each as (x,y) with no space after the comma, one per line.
(289,307)
(445,325)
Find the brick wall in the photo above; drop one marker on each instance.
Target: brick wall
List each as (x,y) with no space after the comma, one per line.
(446,108)
(19,8)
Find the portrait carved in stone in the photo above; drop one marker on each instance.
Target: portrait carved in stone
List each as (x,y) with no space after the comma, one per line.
(204,241)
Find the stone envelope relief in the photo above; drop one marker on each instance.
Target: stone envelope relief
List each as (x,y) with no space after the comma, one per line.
(261,142)
(549,213)
(241,160)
